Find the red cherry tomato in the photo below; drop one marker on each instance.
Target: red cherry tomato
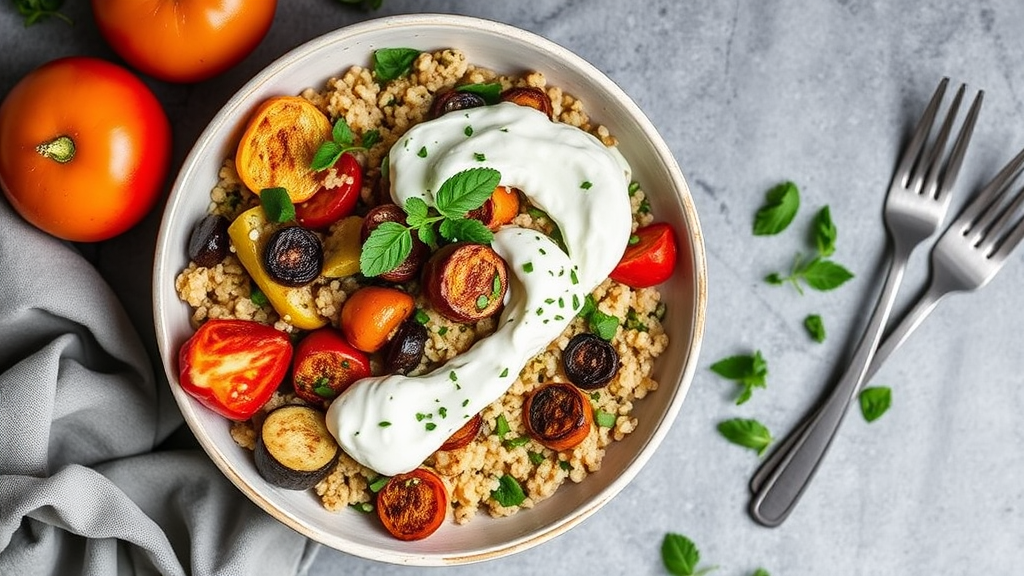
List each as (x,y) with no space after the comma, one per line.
(234,366)
(84,148)
(326,364)
(650,260)
(183,40)
(413,505)
(336,198)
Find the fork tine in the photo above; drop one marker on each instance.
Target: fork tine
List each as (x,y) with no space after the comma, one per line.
(924,126)
(995,238)
(960,146)
(966,221)
(928,174)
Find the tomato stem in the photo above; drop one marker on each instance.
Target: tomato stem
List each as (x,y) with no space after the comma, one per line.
(60,149)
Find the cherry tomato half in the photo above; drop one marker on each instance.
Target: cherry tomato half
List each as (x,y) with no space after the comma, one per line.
(413,505)
(325,364)
(84,148)
(650,260)
(234,366)
(183,40)
(336,198)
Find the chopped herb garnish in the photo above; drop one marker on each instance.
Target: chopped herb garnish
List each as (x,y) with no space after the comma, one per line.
(604,419)
(390,63)
(509,492)
(442,412)
(442,330)
(634,240)
(875,401)
(277,205)
(481,302)
(586,185)
(384,424)
(421,316)
(515,442)
(468,131)
(378,483)
(430,426)
(535,457)
(364,507)
(528,267)
(423,152)
(815,327)
(504,373)
(258,297)
(479,157)
(565,465)
(501,427)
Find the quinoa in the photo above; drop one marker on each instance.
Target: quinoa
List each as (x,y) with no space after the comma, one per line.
(471,473)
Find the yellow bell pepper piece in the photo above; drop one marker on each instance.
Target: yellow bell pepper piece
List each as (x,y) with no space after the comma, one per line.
(342,248)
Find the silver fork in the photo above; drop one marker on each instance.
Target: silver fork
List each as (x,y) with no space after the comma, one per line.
(916,203)
(966,257)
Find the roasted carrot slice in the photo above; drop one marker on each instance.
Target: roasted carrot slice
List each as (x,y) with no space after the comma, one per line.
(413,505)
(465,282)
(558,415)
(529,96)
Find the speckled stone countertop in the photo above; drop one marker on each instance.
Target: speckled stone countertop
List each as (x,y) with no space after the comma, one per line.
(747,95)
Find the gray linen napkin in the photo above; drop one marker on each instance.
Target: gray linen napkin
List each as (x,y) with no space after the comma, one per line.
(83,487)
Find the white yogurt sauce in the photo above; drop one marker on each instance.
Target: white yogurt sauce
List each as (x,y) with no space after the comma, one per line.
(393,423)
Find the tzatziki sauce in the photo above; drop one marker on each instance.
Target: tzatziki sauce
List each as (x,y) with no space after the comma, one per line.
(392,423)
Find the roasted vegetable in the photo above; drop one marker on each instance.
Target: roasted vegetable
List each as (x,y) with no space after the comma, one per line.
(372,313)
(408,268)
(530,97)
(234,366)
(650,258)
(278,144)
(404,350)
(295,305)
(413,505)
(454,100)
(293,256)
(464,435)
(342,247)
(465,282)
(294,449)
(558,415)
(325,364)
(336,197)
(499,209)
(589,362)
(208,243)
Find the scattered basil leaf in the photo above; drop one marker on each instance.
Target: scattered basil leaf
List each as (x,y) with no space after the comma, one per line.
(825,233)
(780,207)
(875,401)
(490,92)
(818,273)
(509,492)
(761,572)
(680,556)
(749,371)
(390,63)
(748,433)
(385,248)
(35,11)
(815,327)
(277,205)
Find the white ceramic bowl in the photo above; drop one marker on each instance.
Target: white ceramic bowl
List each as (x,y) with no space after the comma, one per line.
(504,49)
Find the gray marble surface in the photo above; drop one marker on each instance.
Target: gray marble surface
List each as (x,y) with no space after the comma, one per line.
(749,94)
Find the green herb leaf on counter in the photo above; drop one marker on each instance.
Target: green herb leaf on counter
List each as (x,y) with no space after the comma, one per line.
(815,327)
(817,273)
(509,492)
(680,556)
(748,433)
(781,205)
(391,63)
(35,11)
(874,401)
(277,205)
(825,232)
(749,371)
(761,572)
(490,92)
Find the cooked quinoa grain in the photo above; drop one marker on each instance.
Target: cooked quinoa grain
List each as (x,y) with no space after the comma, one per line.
(471,473)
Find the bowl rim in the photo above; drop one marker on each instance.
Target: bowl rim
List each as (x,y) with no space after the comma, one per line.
(340,35)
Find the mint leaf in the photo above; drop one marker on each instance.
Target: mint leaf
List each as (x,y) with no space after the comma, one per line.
(341,133)
(815,327)
(749,371)
(780,207)
(390,63)
(748,433)
(466,230)
(825,274)
(326,155)
(824,233)
(370,137)
(385,248)
(465,191)
(277,205)
(509,492)
(874,402)
(680,556)
(416,211)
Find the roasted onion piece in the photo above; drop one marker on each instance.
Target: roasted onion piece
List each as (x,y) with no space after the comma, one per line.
(404,350)
(293,256)
(589,362)
(558,415)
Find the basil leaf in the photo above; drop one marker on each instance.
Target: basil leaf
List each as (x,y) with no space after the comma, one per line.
(815,327)
(603,325)
(874,402)
(390,63)
(490,92)
(326,155)
(761,572)
(509,492)
(277,205)
(825,232)
(466,230)
(679,554)
(825,274)
(748,433)
(465,191)
(385,248)
(370,138)
(780,207)
(750,371)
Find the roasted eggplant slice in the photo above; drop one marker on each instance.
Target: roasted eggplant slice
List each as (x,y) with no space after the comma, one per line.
(589,362)
(294,449)
(293,256)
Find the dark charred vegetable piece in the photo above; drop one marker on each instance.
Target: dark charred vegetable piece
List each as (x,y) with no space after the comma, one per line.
(464,435)
(413,505)
(529,96)
(405,349)
(294,449)
(208,243)
(293,256)
(589,362)
(465,282)
(410,267)
(454,100)
(558,415)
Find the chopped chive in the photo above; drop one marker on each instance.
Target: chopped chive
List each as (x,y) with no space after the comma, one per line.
(586,185)
(422,153)
(528,267)
(384,424)
(504,373)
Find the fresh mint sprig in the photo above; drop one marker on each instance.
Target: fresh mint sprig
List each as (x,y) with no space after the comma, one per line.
(391,243)
(818,273)
(747,370)
(681,557)
(342,140)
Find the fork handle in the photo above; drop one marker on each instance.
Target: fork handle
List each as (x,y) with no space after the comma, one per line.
(892,342)
(783,486)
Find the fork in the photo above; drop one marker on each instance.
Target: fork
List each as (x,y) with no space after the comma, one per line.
(966,257)
(916,203)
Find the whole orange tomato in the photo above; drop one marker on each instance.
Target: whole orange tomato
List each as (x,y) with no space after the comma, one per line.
(84,148)
(183,40)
